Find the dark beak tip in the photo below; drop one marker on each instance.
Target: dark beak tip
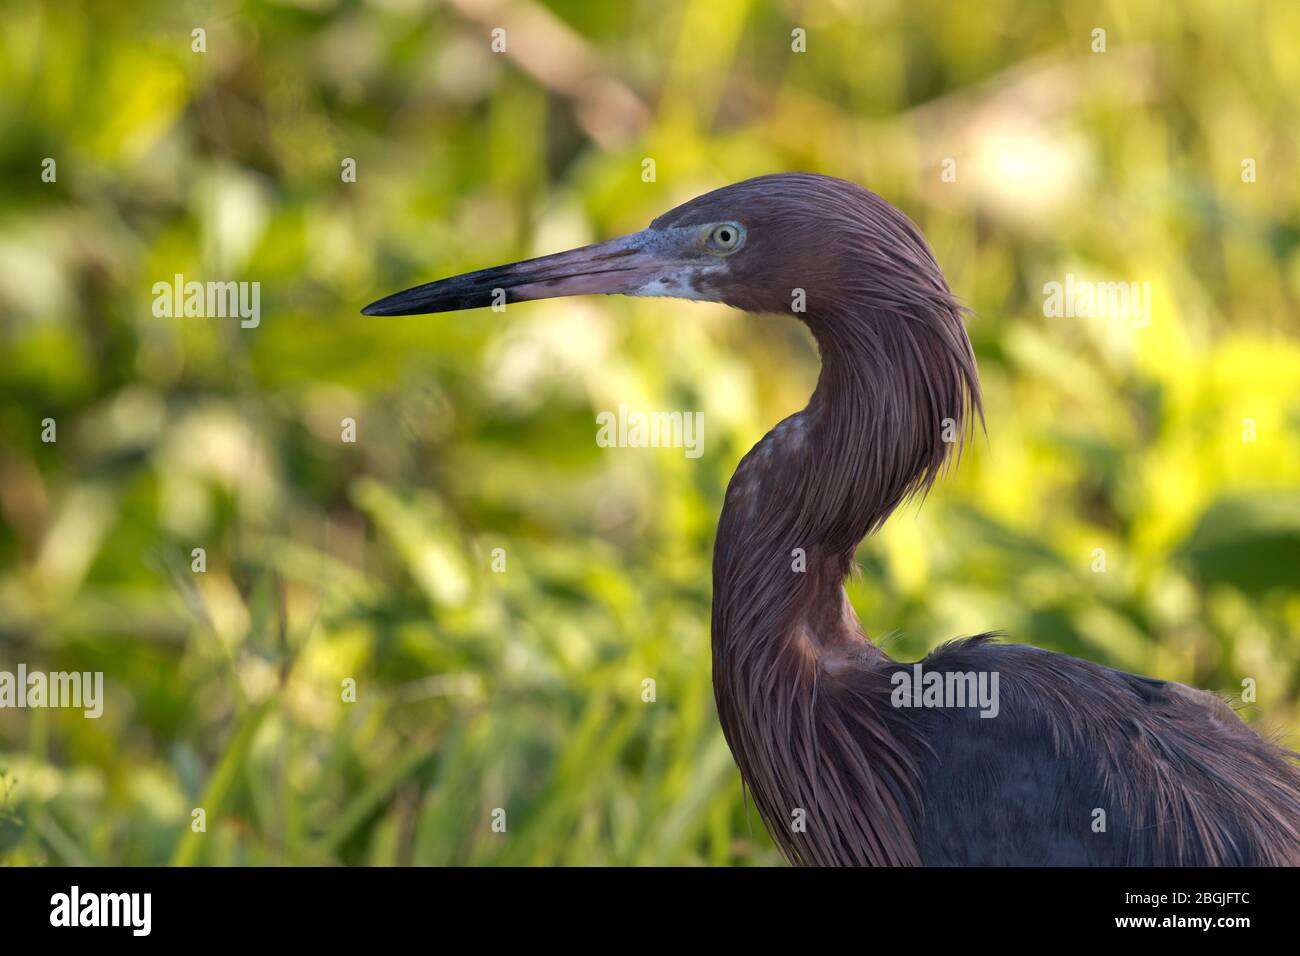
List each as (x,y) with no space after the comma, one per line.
(382,307)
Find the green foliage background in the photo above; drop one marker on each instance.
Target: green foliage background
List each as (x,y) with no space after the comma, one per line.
(372,561)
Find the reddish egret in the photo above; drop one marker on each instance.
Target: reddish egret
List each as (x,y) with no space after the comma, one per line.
(984,752)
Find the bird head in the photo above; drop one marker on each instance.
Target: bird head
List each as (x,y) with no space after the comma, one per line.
(792,242)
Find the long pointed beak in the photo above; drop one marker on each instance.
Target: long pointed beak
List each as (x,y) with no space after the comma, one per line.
(619,266)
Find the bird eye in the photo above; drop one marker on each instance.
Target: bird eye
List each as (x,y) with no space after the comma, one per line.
(726,237)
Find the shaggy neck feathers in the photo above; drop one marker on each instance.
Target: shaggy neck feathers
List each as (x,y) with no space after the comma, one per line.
(802,693)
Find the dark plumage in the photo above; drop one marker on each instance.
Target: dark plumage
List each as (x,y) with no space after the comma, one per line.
(840,774)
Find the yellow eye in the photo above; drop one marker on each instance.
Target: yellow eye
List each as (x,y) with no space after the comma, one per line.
(726,237)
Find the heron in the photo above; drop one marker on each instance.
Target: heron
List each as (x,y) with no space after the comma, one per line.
(1075,763)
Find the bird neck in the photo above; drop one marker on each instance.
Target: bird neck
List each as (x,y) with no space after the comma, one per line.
(807,494)
(802,693)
